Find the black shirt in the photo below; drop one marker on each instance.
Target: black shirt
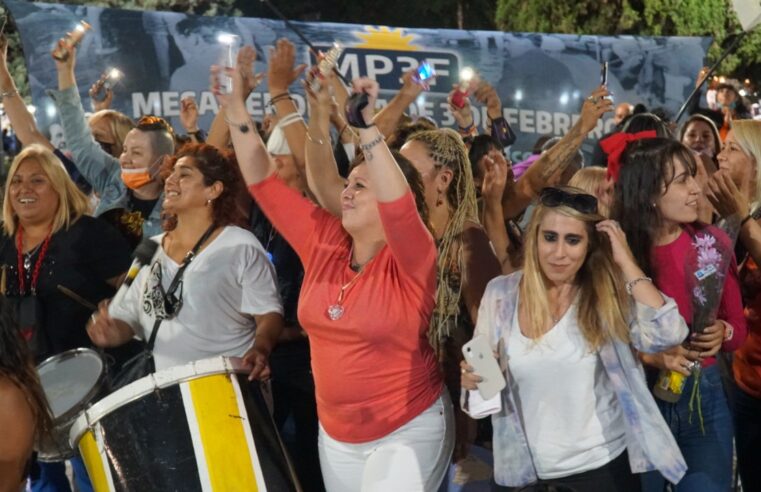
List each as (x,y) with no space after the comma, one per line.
(81,259)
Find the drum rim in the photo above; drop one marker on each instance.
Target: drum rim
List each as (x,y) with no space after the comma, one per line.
(91,393)
(145,385)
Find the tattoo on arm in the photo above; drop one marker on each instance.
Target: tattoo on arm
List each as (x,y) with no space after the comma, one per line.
(560,155)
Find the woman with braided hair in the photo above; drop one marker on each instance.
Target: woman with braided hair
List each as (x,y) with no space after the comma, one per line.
(465,262)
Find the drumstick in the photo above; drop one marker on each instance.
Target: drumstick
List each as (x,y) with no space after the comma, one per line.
(81,300)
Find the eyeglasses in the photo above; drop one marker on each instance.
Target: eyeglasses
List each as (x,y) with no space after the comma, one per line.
(581,202)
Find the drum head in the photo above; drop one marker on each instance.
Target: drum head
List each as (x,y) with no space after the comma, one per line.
(69,379)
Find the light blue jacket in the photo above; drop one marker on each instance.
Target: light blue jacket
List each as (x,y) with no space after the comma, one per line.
(649,440)
(99,168)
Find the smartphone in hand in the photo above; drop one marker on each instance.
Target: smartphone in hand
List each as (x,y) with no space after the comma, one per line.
(478,354)
(604,73)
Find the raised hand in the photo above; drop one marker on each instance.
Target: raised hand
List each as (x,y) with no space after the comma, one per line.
(463,116)
(105,103)
(189,114)
(725,196)
(239,92)
(371,88)
(594,107)
(495,177)
(487,95)
(280,71)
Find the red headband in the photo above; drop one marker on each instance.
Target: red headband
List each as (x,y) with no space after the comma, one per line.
(615,145)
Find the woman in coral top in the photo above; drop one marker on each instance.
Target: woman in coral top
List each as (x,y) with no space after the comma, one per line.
(366,302)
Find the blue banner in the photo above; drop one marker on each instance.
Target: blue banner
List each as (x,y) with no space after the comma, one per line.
(541,78)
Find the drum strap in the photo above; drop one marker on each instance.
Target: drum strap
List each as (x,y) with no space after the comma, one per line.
(177,278)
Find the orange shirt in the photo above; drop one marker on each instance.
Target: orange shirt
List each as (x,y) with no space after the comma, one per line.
(374,369)
(747,359)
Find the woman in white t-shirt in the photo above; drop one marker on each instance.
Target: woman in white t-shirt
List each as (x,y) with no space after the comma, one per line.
(226,302)
(576,412)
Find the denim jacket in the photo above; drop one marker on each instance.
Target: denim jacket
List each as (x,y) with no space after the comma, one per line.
(649,440)
(99,168)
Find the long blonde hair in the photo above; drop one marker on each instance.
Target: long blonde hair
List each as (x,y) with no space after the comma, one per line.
(446,148)
(591,180)
(748,135)
(120,125)
(604,305)
(72,203)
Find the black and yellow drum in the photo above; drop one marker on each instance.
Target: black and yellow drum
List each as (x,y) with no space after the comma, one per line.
(198,427)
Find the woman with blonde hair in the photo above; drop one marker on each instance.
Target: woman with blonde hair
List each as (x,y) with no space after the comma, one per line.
(735,190)
(49,242)
(466,262)
(594,180)
(576,411)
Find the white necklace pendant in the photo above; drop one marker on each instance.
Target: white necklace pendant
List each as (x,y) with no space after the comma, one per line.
(335,312)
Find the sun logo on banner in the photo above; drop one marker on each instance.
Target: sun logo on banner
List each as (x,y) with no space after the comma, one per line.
(385,38)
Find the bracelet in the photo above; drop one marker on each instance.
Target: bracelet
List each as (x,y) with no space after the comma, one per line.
(367,148)
(343,129)
(746,219)
(10,93)
(280,97)
(290,119)
(631,283)
(242,127)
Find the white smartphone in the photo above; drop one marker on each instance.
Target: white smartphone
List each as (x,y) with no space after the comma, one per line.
(478,354)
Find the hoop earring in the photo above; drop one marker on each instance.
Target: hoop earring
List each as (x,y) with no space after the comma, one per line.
(439,200)
(208,202)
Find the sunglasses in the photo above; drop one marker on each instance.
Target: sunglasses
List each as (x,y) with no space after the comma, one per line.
(581,202)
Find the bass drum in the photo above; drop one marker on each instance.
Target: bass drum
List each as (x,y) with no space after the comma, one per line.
(198,427)
(71,380)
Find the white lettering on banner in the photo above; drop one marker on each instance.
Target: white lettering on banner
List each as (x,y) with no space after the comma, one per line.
(142,105)
(526,118)
(561,123)
(378,65)
(349,66)
(208,103)
(543,122)
(167,104)
(170,104)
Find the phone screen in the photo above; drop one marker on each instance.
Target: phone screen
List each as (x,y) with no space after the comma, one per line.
(425,71)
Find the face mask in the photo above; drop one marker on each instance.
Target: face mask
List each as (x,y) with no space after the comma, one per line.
(136,178)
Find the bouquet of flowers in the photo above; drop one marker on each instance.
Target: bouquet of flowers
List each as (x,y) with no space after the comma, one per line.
(706,267)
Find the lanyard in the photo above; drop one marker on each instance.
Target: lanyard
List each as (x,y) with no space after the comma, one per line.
(37,264)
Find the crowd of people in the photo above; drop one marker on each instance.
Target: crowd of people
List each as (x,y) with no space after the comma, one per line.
(348,258)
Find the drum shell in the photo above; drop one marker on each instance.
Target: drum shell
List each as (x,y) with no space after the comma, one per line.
(55,447)
(185,432)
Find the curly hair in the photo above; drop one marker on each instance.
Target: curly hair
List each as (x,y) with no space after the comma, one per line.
(215,165)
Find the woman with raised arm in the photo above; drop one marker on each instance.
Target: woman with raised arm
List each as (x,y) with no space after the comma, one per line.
(576,413)
(366,300)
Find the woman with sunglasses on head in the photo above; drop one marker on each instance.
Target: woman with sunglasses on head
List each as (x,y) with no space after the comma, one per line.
(656,201)
(576,413)
(366,300)
(226,299)
(127,182)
